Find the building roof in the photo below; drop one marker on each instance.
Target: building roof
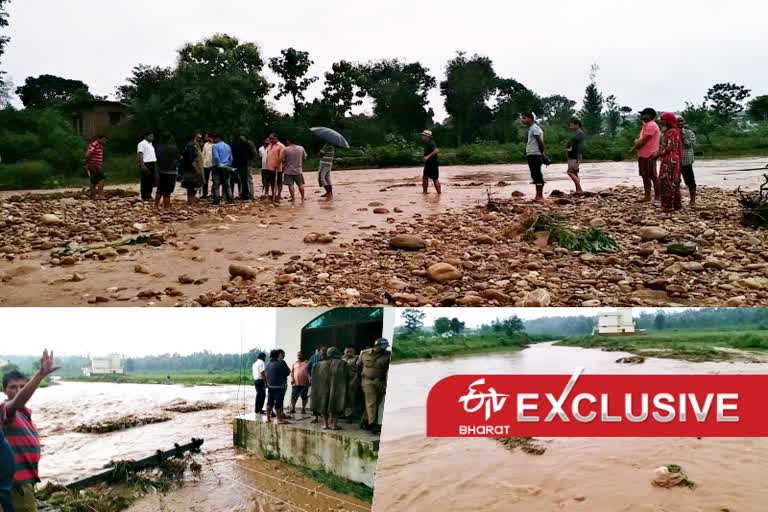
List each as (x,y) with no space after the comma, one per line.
(86,104)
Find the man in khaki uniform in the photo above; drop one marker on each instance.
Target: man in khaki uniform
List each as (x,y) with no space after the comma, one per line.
(373,364)
(354,383)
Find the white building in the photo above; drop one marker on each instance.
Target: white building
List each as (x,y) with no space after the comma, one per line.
(614,323)
(108,365)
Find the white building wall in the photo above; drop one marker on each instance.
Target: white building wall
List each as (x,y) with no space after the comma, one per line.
(290,322)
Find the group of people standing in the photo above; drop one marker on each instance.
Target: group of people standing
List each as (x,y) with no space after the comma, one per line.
(208,166)
(333,384)
(663,157)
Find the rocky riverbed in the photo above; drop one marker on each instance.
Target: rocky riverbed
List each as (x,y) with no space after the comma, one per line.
(476,257)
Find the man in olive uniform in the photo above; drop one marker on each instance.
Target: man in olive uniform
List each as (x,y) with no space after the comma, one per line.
(373,364)
(354,383)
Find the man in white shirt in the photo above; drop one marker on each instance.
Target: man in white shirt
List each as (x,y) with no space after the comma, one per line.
(534,151)
(147,159)
(265,181)
(207,163)
(258,381)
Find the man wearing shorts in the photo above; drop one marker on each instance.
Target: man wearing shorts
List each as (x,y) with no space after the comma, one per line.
(575,152)
(147,158)
(299,382)
(293,166)
(327,155)
(275,165)
(647,145)
(431,164)
(167,170)
(276,373)
(534,151)
(94,166)
(689,148)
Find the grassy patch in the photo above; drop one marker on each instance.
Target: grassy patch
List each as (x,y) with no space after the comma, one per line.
(421,346)
(689,345)
(339,484)
(200,378)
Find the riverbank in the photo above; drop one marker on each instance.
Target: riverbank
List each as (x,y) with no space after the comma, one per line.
(419,347)
(201,378)
(692,346)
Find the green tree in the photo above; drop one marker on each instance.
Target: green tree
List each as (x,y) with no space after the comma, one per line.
(726,100)
(757,109)
(414,319)
(399,93)
(469,84)
(613,116)
(3,39)
(145,82)
(442,325)
(700,119)
(660,321)
(509,325)
(50,91)
(292,66)
(557,110)
(339,92)
(457,326)
(592,109)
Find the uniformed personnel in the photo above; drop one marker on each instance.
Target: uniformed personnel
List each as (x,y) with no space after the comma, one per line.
(373,364)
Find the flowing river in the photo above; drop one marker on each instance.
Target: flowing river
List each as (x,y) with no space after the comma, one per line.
(417,474)
(230,481)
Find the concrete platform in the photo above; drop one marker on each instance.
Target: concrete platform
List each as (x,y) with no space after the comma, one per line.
(349,453)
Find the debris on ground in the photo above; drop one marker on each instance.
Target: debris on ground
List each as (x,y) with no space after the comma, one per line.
(527,445)
(631,360)
(185,407)
(755,205)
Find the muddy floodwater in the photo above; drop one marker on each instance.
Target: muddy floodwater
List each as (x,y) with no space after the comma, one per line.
(230,481)
(574,474)
(217,241)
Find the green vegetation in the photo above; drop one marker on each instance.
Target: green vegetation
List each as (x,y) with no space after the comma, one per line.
(588,240)
(689,345)
(429,347)
(338,484)
(188,378)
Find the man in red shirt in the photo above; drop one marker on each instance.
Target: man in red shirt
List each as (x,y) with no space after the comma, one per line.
(647,145)
(94,166)
(21,433)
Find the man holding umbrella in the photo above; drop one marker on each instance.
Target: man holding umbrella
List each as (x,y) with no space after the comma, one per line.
(333,139)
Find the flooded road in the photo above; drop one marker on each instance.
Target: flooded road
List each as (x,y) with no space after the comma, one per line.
(207,244)
(230,481)
(592,474)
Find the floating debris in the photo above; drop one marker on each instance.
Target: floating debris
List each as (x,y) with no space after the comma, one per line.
(124,423)
(185,407)
(670,476)
(631,360)
(527,444)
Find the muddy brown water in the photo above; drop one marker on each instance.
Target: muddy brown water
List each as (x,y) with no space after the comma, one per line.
(262,228)
(231,481)
(418,474)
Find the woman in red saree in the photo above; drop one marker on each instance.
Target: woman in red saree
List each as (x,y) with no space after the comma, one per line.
(671,156)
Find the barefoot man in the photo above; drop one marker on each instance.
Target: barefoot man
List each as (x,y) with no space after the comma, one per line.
(575,152)
(327,155)
(431,164)
(646,145)
(94,166)
(16,422)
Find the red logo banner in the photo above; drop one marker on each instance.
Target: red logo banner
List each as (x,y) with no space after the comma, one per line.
(599,406)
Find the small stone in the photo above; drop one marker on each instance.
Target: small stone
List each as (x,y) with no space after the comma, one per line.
(470,300)
(485,240)
(285,278)
(325,239)
(141,269)
(408,242)
(244,271)
(592,303)
(50,219)
(538,298)
(682,249)
(77,277)
(68,261)
(497,295)
(185,279)
(692,266)
(380,210)
(597,222)
(653,233)
(735,302)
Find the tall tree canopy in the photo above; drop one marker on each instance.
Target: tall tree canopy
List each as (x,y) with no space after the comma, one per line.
(50,90)
(339,92)
(469,84)
(726,100)
(399,92)
(3,38)
(292,66)
(557,109)
(146,81)
(757,109)
(413,319)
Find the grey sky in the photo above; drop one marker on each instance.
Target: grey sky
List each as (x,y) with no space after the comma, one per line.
(135,331)
(656,53)
(475,317)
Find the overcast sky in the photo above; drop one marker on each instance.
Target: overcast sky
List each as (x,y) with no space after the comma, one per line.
(135,331)
(655,53)
(474,317)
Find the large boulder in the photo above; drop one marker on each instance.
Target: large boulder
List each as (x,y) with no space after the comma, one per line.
(408,242)
(443,272)
(653,233)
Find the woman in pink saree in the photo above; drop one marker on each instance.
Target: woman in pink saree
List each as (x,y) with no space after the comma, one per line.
(671,156)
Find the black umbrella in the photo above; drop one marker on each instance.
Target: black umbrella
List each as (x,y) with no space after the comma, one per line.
(331,137)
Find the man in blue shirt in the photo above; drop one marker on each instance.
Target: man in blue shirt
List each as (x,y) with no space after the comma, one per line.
(7,466)
(222,167)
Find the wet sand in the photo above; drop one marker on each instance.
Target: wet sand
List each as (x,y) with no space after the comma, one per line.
(230,481)
(215,240)
(594,474)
